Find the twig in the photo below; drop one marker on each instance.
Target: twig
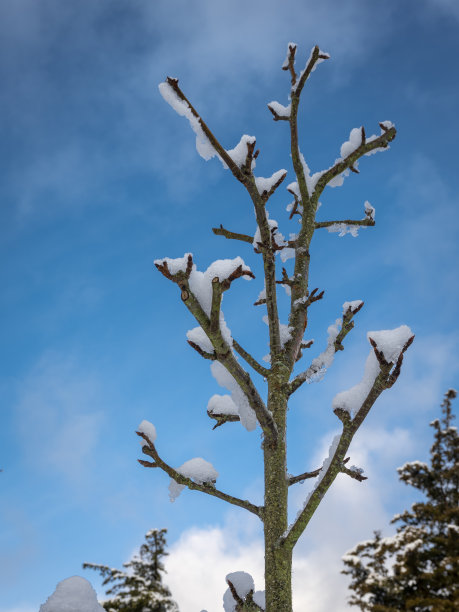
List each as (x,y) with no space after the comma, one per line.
(221,231)
(301,477)
(250,360)
(223,418)
(315,367)
(367,221)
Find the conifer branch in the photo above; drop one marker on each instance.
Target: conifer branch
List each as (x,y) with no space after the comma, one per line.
(208,488)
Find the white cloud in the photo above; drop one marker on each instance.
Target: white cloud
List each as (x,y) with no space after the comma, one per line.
(201,558)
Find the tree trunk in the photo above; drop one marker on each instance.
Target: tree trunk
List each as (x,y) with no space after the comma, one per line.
(278,561)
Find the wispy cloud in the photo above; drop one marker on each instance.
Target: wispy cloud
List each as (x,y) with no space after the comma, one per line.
(58,417)
(448,7)
(69,114)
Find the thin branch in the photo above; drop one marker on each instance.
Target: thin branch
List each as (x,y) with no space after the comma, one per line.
(290,63)
(278,117)
(315,56)
(267,194)
(301,477)
(382,141)
(318,363)
(250,360)
(208,488)
(217,146)
(223,418)
(243,604)
(198,349)
(355,474)
(347,325)
(367,222)
(221,231)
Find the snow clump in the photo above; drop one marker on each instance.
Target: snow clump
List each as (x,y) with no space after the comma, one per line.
(199,470)
(74,594)
(149,430)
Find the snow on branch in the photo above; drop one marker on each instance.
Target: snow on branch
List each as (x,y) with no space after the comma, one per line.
(198,470)
(206,143)
(196,474)
(351,151)
(336,334)
(243,154)
(223,409)
(202,293)
(279,111)
(267,186)
(240,594)
(224,378)
(277,240)
(350,226)
(389,347)
(315,58)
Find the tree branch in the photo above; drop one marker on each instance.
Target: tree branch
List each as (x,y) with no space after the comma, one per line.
(335,463)
(319,362)
(208,488)
(223,418)
(367,222)
(250,360)
(221,231)
(382,141)
(198,349)
(223,352)
(217,146)
(301,477)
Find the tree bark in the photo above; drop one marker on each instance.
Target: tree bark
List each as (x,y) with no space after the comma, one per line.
(278,560)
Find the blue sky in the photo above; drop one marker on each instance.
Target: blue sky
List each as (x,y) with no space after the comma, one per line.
(100,177)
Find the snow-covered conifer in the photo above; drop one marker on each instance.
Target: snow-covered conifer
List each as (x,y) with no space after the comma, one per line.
(139,587)
(418,567)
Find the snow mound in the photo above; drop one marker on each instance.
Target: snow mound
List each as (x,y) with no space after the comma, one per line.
(73,594)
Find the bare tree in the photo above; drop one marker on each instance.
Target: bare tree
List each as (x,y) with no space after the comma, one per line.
(202,294)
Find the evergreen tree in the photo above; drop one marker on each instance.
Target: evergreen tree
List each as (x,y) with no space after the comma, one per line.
(139,588)
(418,567)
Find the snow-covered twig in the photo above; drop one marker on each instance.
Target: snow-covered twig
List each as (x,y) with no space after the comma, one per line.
(336,336)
